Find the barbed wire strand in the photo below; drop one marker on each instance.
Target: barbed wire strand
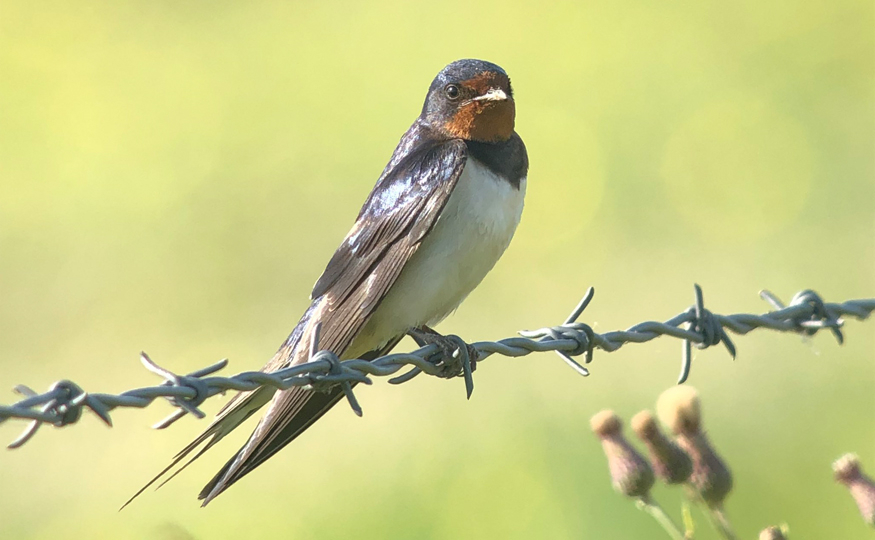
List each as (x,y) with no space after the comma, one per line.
(63,403)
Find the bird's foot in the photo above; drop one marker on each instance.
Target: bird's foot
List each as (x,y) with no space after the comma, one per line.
(457,357)
(451,362)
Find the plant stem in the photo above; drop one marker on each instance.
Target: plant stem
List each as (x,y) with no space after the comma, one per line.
(650,506)
(720,522)
(716,516)
(689,525)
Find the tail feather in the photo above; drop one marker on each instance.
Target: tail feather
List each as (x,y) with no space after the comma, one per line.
(290,413)
(264,442)
(237,411)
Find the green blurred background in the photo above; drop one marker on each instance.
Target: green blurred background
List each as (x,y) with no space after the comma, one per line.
(174,176)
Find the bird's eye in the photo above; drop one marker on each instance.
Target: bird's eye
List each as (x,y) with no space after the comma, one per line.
(452,91)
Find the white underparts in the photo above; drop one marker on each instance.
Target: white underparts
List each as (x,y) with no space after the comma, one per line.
(472,232)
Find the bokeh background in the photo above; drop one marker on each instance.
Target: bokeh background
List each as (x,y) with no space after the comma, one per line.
(174,176)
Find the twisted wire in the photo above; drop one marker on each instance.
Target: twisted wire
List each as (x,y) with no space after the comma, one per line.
(62,404)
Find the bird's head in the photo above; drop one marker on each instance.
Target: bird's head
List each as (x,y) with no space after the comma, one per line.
(471,100)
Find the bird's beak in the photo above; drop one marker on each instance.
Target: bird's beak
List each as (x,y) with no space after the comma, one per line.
(494,94)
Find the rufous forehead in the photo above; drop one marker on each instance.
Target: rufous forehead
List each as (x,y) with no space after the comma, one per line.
(484,81)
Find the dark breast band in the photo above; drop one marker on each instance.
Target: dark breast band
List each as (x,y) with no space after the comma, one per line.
(507,159)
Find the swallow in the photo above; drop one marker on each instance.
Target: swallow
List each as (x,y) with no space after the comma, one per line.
(438,219)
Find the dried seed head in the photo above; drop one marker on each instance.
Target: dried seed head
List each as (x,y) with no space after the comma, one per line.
(644,425)
(630,473)
(680,410)
(772,533)
(605,423)
(711,479)
(848,472)
(671,464)
(847,468)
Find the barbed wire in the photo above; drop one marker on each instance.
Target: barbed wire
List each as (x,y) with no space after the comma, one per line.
(63,403)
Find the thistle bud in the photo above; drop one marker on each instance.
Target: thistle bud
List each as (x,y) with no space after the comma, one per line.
(772,533)
(630,473)
(671,464)
(848,472)
(680,409)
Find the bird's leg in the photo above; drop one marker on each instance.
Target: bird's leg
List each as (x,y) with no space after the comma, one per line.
(451,366)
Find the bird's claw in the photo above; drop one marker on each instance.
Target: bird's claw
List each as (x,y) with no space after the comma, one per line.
(457,358)
(453,363)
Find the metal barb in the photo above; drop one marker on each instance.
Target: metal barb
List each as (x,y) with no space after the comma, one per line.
(336,369)
(187,405)
(573,363)
(709,330)
(587,298)
(812,313)
(772,299)
(582,334)
(62,404)
(467,366)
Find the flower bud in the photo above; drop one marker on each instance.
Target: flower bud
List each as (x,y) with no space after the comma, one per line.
(680,409)
(669,462)
(772,533)
(848,472)
(630,473)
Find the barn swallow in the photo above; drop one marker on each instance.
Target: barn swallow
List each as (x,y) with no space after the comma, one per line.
(441,214)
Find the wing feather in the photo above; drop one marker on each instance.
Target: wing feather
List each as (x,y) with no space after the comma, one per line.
(407,197)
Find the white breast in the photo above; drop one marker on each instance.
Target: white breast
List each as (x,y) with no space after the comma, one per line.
(473,230)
